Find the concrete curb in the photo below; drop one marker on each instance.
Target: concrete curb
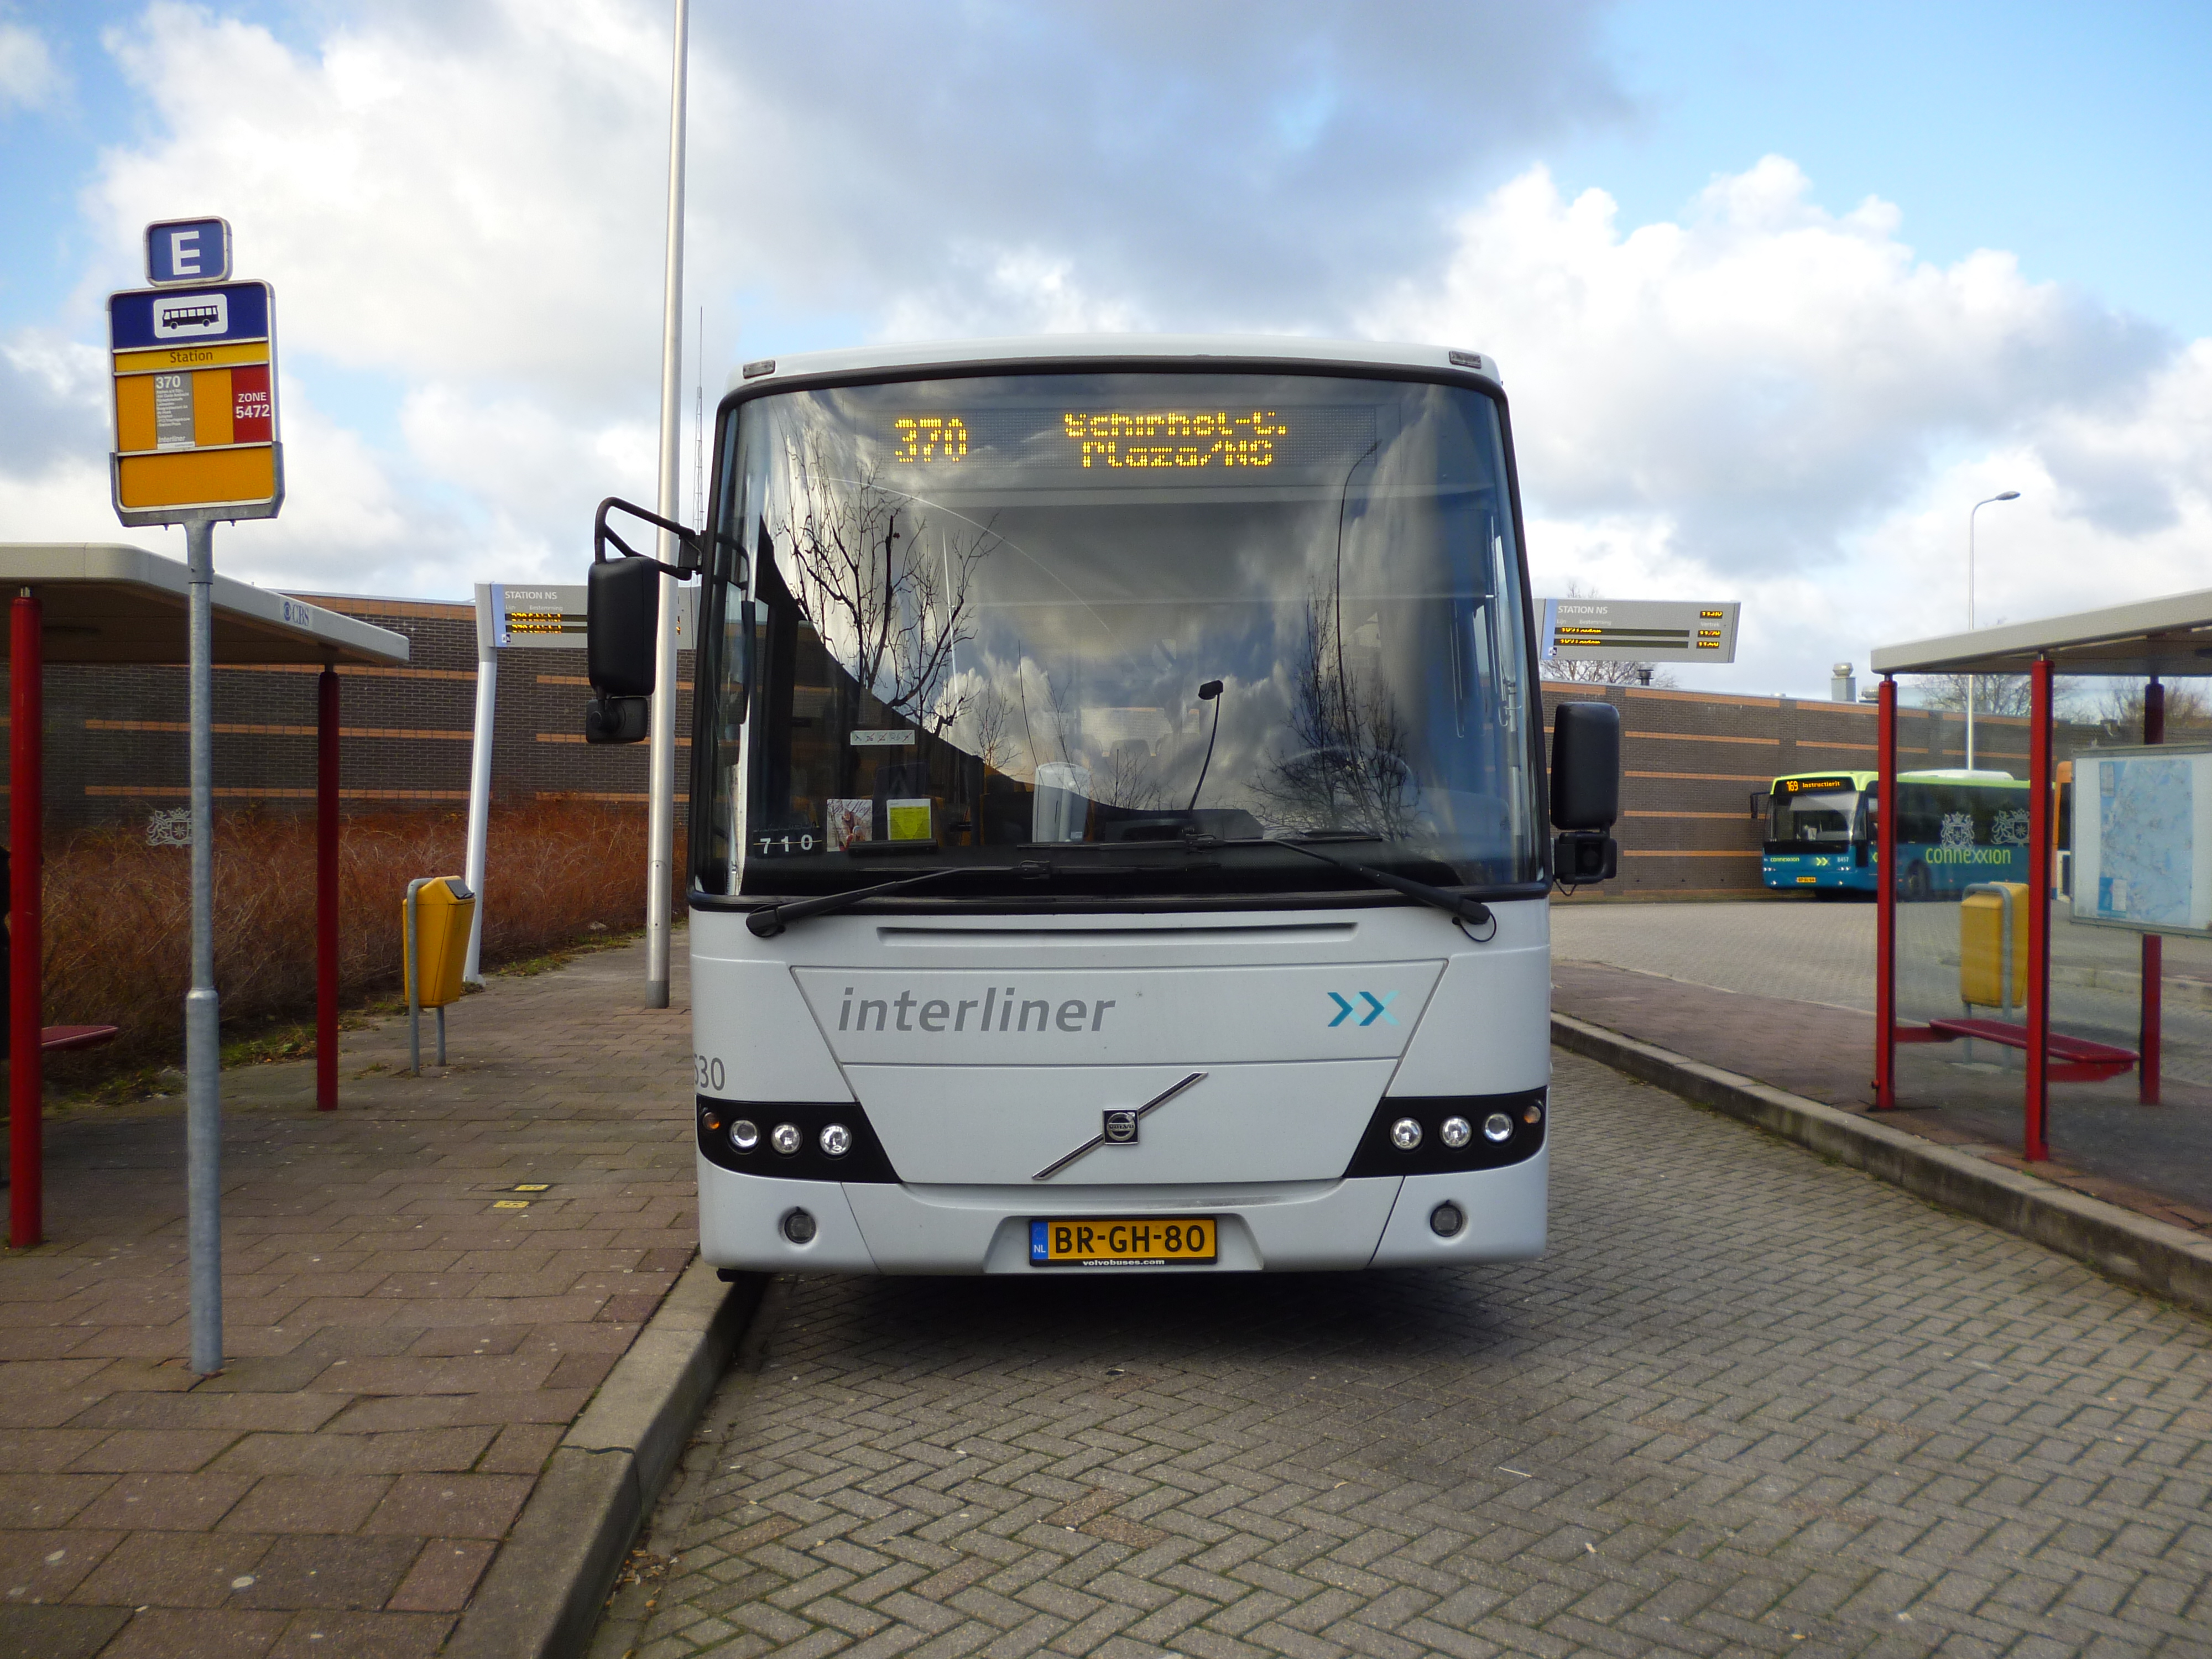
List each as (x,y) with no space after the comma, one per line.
(542,1595)
(2150,1255)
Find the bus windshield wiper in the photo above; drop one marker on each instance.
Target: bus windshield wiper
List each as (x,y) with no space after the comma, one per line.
(1453,904)
(771,920)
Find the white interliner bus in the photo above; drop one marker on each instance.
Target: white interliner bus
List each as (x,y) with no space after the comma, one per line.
(1117,815)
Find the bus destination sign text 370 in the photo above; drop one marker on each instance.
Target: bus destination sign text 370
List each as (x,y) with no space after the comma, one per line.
(1194,442)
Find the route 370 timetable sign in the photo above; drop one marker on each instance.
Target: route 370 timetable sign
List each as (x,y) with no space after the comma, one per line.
(195,432)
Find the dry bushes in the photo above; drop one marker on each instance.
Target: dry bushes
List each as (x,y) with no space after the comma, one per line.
(118,912)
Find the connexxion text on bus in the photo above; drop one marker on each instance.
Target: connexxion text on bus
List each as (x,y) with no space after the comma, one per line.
(1117,810)
(1956,829)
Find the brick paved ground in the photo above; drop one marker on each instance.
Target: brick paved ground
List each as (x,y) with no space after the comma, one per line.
(406,1351)
(1769,990)
(1750,1403)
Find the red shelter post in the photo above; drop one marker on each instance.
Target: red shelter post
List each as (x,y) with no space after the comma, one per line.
(2154,946)
(1885,900)
(326,890)
(2036,1144)
(25,953)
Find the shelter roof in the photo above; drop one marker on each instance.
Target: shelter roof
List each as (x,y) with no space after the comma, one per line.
(106,603)
(2171,635)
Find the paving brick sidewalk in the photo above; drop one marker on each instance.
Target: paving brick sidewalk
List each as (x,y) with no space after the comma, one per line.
(406,1344)
(1748,1403)
(2155,1160)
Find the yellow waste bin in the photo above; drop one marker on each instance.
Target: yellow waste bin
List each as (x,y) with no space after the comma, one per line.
(1993,924)
(437,914)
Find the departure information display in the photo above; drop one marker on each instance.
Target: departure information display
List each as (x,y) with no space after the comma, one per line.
(1640,630)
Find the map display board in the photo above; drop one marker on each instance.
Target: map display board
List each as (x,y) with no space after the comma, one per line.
(2143,839)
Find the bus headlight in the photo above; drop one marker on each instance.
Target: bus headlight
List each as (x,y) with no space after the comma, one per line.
(1498,1127)
(744,1134)
(1405,1134)
(786,1138)
(1456,1133)
(837,1141)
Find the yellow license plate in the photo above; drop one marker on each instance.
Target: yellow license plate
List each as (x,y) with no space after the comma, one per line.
(1114,1241)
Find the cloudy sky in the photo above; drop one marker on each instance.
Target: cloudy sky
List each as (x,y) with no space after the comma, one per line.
(1779,291)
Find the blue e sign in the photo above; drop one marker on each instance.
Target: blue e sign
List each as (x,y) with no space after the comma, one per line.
(188,251)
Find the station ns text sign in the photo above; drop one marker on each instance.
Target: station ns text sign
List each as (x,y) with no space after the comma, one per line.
(1640,630)
(194,368)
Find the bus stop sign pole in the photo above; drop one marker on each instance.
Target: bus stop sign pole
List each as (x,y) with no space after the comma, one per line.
(203,1007)
(196,440)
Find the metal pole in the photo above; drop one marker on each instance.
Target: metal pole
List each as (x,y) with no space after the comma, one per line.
(326,890)
(660,788)
(2036,1146)
(480,789)
(411,966)
(202,1010)
(2001,496)
(2154,947)
(1976,507)
(1884,898)
(26,954)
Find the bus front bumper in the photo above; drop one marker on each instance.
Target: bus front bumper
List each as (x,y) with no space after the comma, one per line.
(1798,871)
(1293,1227)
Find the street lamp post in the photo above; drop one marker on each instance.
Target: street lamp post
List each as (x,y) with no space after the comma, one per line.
(660,771)
(2002,496)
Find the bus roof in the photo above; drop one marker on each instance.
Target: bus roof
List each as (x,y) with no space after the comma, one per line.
(1055,349)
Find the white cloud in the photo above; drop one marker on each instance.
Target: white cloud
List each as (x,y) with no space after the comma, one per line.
(28,76)
(467,201)
(1771,401)
(460,201)
(441,213)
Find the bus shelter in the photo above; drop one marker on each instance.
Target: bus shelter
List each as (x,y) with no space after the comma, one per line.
(2152,820)
(92,602)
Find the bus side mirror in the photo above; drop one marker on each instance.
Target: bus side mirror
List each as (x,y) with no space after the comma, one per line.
(622,614)
(1585,766)
(1585,790)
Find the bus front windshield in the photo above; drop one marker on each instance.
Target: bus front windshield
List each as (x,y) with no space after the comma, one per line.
(1121,634)
(1826,816)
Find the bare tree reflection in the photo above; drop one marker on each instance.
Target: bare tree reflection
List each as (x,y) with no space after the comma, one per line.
(887,587)
(1345,767)
(1128,775)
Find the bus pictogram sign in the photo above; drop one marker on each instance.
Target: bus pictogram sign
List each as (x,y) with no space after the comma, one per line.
(195,429)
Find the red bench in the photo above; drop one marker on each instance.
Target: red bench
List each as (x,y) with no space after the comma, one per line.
(55,1038)
(2075,1060)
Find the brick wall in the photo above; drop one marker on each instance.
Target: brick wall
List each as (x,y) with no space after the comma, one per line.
(116,738)
(116,744)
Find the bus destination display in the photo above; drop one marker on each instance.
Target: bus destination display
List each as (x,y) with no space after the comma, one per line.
(1640,630)
(1111,440)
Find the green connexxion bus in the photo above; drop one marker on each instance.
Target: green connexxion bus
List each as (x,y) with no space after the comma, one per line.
(1956,827)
